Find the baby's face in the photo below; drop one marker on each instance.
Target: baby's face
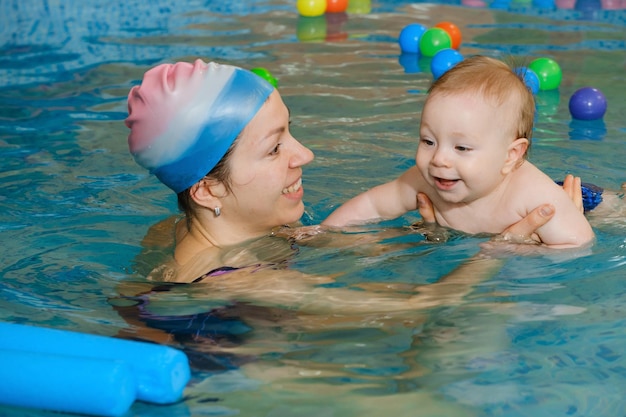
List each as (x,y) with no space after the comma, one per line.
(463,146)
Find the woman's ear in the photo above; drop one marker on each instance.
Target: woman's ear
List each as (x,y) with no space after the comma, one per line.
(515,155)
(207,193)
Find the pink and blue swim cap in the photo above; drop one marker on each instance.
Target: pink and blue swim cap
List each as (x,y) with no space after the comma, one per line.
(184,117)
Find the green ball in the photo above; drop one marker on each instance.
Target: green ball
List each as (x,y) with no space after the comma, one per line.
(359,6)
(311,29)
(548,71)
(434,40)
(266,75)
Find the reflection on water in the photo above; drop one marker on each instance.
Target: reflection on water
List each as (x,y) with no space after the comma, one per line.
(540,337)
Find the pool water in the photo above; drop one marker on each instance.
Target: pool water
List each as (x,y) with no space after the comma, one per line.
(542,337)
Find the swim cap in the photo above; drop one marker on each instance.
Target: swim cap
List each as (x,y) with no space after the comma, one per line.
(184,117)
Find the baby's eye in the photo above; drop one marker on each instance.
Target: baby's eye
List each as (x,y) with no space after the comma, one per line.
(462,148)
(428,142)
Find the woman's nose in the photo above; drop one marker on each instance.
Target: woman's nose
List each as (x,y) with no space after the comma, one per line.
(301,155)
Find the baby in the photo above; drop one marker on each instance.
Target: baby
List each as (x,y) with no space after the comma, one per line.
(471,162)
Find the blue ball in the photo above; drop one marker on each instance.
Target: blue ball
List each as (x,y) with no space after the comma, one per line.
(587,103)
(444,60)
(409,38)
(530,78)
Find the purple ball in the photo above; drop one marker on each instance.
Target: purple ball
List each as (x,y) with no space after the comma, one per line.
(587,103)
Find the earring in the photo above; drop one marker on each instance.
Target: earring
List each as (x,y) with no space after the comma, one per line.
(217,211)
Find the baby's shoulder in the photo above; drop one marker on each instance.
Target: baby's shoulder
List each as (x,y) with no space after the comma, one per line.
(530,187)
(531,179)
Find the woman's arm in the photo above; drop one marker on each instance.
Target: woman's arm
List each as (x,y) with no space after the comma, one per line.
(294,290)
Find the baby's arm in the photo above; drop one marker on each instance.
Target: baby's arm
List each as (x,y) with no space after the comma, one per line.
(569,227)
(385,201)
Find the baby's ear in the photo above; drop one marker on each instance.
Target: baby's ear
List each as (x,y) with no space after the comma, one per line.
(515,155)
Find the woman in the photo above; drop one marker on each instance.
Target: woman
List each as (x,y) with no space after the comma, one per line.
(219,137)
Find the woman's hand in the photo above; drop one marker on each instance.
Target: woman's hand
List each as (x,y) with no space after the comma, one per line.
(520,232)
(426,209)
(428,225)
(524,230)
(573,187)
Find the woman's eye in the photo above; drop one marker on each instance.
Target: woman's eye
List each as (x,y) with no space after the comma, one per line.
(275,150)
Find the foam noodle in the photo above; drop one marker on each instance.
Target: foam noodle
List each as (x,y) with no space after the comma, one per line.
(70,384)
(161,372)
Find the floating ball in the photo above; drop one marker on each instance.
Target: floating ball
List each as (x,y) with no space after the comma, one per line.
(311,8)
(433,41)
(454,32)
(500,4)
(443,61)
(612,5)
(530,78)
(544,4)
(565,4)
(311,29)
(548,71)
(409,38)
(266,75)
(588,6)
(587,103)
(359,6)
(474,3)
(336,6)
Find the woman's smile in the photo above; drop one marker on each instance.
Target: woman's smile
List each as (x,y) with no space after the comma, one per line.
(295,189)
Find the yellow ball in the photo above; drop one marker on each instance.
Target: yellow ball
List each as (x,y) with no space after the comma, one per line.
(311,8)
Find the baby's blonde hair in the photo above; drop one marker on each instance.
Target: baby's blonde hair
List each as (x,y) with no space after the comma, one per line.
(495,80)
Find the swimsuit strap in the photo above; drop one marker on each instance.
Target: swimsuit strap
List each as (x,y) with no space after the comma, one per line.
(215,272)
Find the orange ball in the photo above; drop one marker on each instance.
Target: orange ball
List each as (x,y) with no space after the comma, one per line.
(336,6)
(454,32)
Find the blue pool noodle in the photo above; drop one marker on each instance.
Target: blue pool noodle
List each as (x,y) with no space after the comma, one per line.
(161,372)
(66,384)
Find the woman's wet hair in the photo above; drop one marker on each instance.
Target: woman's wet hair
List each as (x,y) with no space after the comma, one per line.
(221,172)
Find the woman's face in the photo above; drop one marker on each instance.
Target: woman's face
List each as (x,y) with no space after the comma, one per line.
(266,172)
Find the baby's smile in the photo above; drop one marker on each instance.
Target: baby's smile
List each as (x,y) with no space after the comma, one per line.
(444,184)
